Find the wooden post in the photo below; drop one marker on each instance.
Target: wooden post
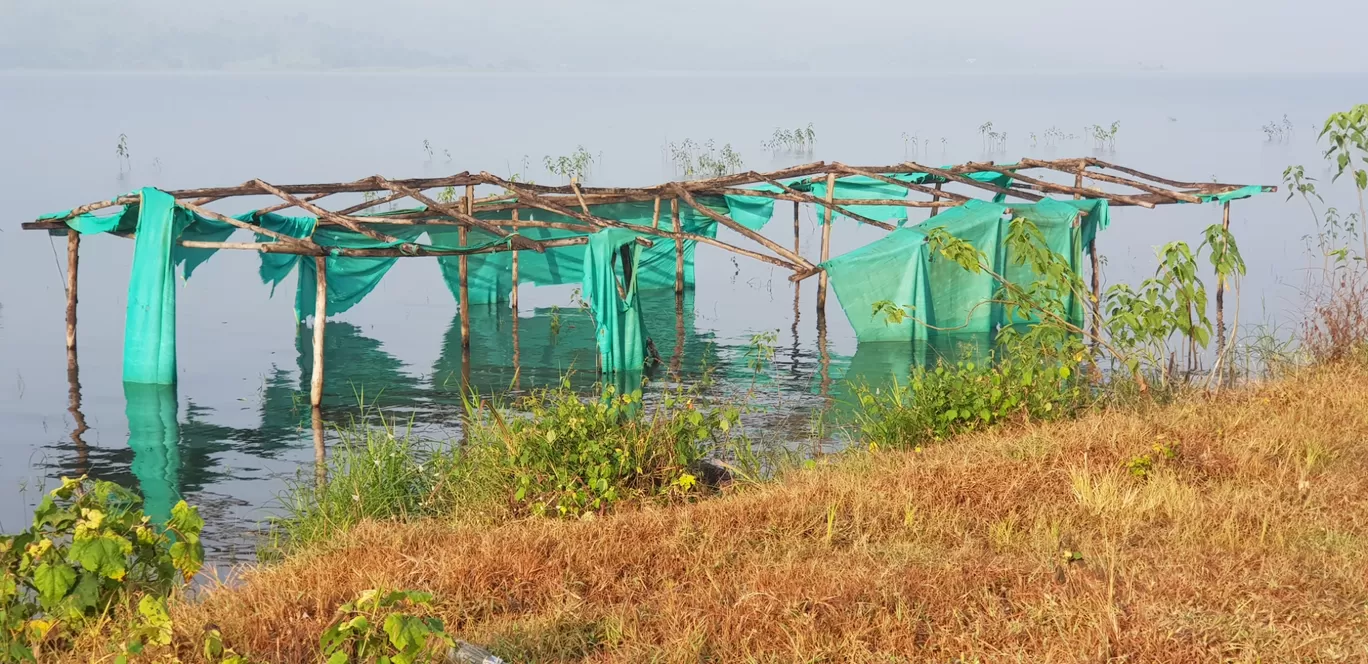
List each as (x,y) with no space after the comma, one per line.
(679,245)
(1220,294)
(936,198)
(73,261)
(1096,266)
(797,248)
(826,245)
(320,320)
(513,294)
(462,269)
(320,450)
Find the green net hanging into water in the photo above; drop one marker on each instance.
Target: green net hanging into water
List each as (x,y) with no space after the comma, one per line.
(160,224)
(901,268)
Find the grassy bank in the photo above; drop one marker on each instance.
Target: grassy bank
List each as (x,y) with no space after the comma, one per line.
(1230,529)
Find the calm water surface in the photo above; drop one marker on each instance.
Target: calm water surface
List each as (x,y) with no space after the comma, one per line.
(233,431)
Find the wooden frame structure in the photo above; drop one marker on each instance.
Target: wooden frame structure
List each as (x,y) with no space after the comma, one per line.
(1128,187)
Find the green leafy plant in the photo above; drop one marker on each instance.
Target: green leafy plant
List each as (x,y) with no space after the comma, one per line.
(1143,465)
(90,547)
(760,352)
(381,626)
(560,454)
(121,151)
(692,160)
(797,141)
(1104,138)
(575,166)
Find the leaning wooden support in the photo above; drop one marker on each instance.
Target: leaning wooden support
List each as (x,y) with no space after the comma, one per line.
(809,198)
(797,245)
(320,321)
(73,263)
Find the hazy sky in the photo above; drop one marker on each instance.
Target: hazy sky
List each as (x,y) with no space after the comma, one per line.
(881,35)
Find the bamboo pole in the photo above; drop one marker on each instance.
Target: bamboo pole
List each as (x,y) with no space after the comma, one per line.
(1220,291)
(655,215)
(679,245)
(73,263)
(826,248)
(513,294)
(797,239)
(936,197)
(462,269)
(320,320)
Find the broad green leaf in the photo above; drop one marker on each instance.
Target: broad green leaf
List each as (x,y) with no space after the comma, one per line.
(105,555)
(186,521)
(338,657)
(155,617)
(188,558)
(53,581)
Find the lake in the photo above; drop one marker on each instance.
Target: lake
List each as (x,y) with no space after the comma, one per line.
(232,432)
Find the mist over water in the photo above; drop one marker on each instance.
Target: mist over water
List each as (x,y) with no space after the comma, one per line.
(237,424)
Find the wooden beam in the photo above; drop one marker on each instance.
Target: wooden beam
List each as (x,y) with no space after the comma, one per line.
(910,186)
(809,198)
(460,215)
(306,244)
(956,177)
(1082,172)
(462,269)
(732,224)
(1065,189)
(330,216)
(679,245)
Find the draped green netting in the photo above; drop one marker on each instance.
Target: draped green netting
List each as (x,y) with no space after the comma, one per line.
(489,276)
(902,269)
(611,261)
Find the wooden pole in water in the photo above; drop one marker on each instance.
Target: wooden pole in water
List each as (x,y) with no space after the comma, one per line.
(513,294)
(73,262)
(463,270)
(1096,266)
(320,320)
(1220,293)
(797,247)
(320,450)
(679,245)
(826,244)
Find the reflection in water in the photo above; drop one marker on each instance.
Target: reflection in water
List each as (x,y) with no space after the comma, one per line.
(154,437)
(171,454)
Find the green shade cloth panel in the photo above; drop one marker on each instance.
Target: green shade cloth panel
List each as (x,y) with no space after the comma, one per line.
(489,276)
(154,437)
(617,319)
(350,279)
(901,268)
(150,321)
(1237,194)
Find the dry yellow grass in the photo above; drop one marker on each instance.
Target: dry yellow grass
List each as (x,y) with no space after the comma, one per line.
(1029,544)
